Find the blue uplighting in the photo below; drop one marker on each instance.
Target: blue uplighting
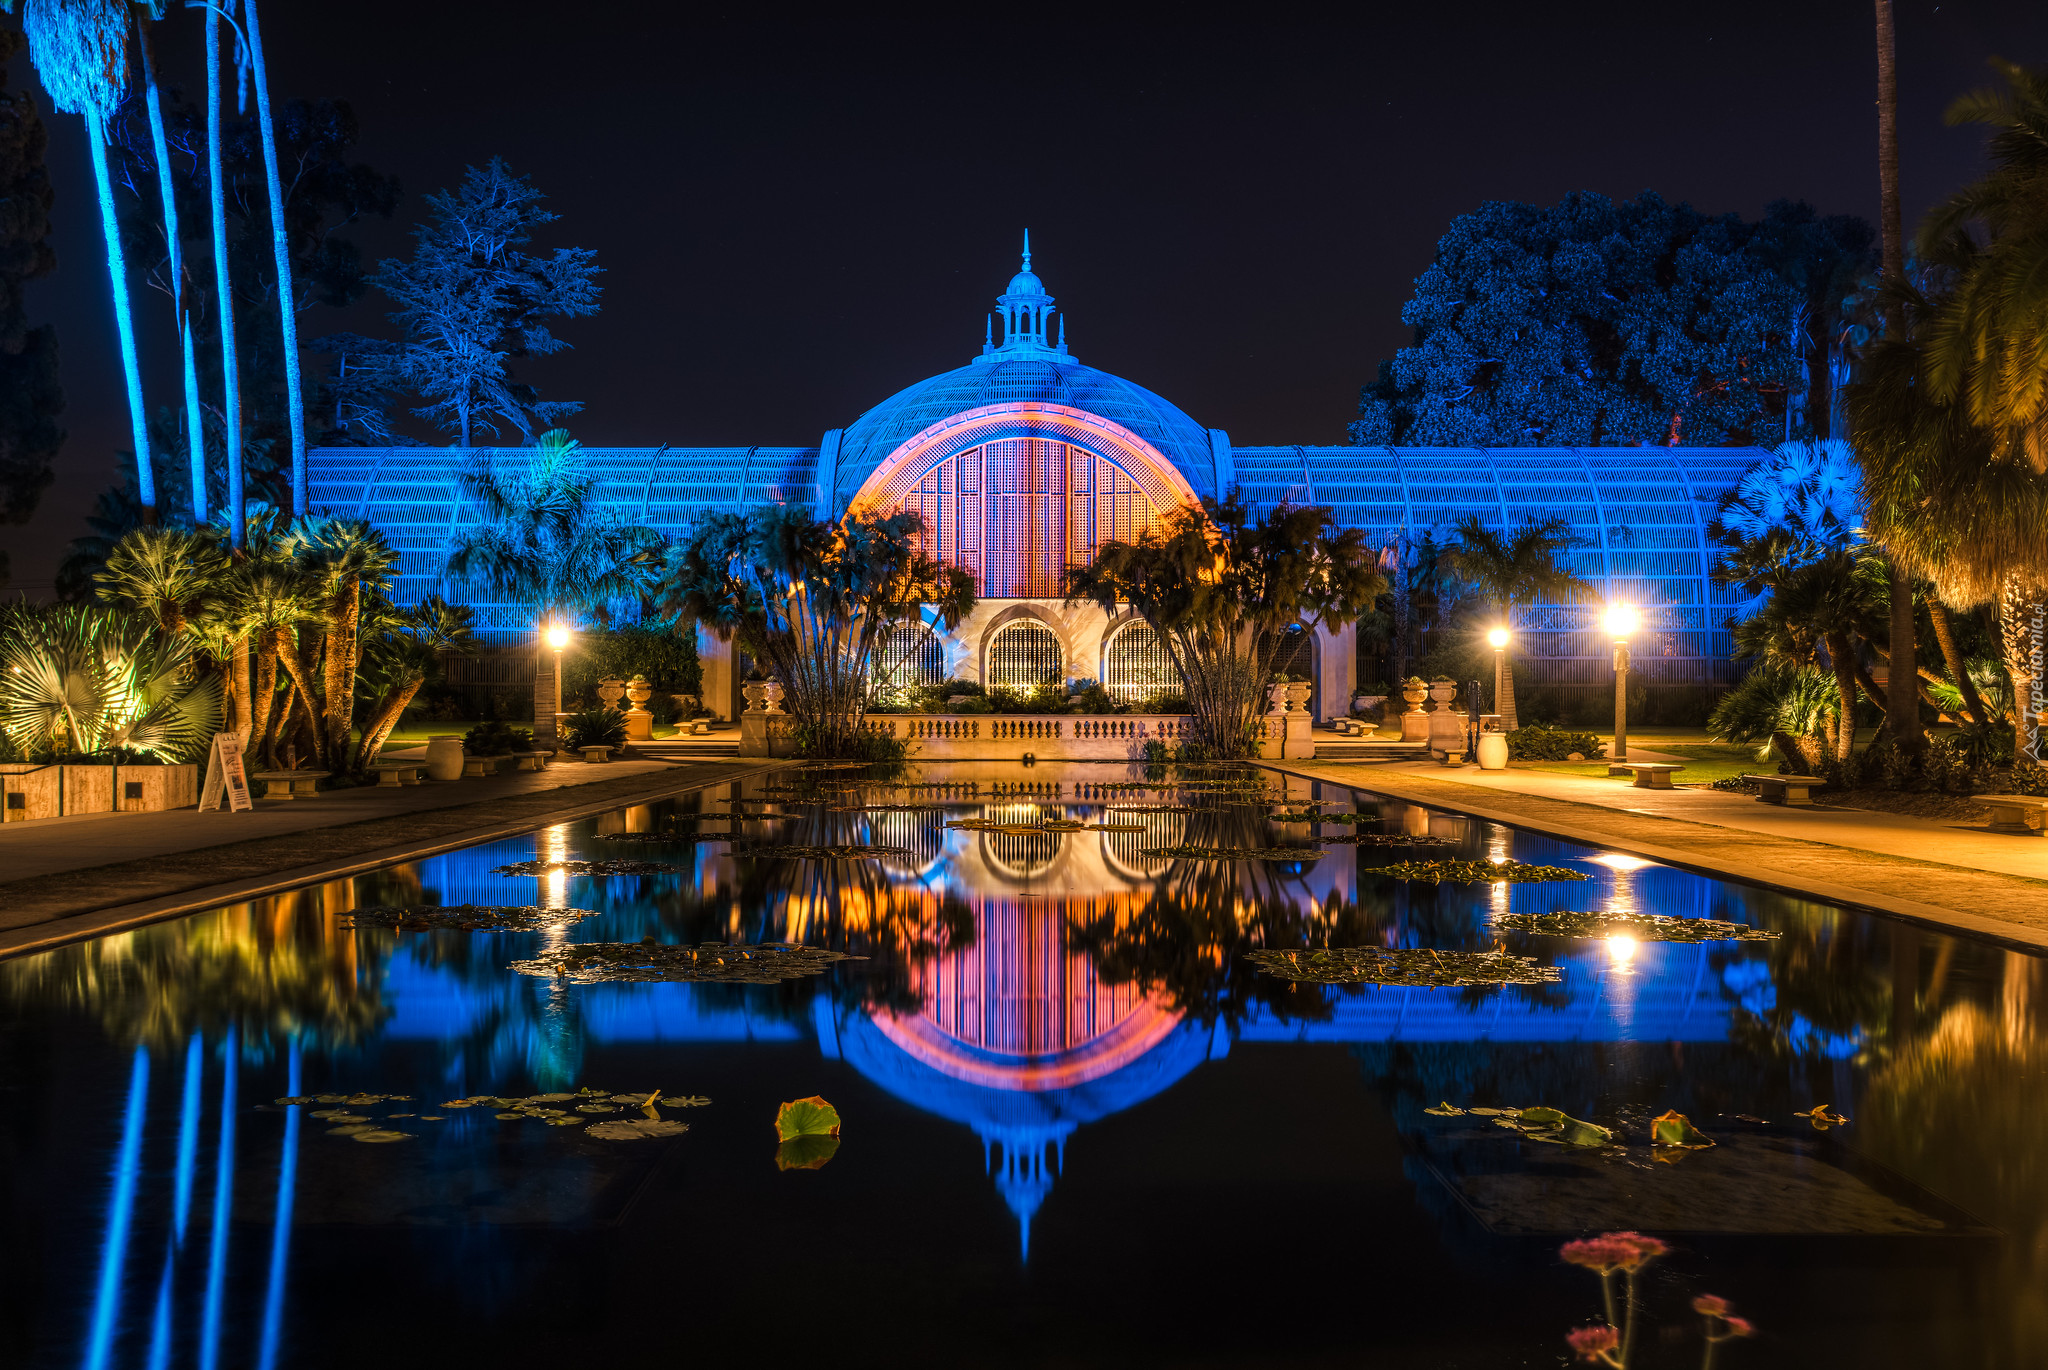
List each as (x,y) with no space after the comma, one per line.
(106,1305)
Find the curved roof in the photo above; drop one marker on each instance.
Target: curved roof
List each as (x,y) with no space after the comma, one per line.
(999,380)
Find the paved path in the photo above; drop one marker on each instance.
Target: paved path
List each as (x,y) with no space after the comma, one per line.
(64,878)
(1949,875)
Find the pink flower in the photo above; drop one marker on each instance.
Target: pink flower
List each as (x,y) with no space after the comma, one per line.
(1710,1305)
(1739,1327)
(1611,1251)
(1592,1343)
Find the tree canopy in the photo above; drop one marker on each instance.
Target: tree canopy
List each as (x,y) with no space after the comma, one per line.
(31,393)
(1597,323)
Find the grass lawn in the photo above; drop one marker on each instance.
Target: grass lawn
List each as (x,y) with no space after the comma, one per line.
(1704,762)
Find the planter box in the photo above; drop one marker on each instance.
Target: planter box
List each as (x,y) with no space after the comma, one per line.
(29,791)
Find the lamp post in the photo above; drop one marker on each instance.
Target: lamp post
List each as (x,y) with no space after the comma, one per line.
(1503,683)
(1621,621)
(558,638)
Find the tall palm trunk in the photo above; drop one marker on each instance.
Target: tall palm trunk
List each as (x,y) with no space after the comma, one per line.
(295,655)
(287,303)
(195,426)
(1903,686)
(2020,615)
(379,725)
(124,317)
(344,607)
(1842,659)
(263,701)
(230,368)
(1958,669)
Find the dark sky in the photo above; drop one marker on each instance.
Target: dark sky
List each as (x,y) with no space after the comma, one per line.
(798,216)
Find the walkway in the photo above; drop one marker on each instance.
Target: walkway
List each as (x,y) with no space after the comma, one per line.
(1955,876)
(64,878)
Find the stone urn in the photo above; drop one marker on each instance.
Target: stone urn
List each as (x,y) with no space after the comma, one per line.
(611,692)
(444,758)
(1297,695)
(771,697)
(1415,692)
(755,692)
(1443,691)
(1277,694)
(639,722)
(1493,751)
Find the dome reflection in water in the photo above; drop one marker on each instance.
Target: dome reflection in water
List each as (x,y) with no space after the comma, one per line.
(1057,1074)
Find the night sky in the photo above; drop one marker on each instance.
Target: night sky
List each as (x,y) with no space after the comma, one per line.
(798,217)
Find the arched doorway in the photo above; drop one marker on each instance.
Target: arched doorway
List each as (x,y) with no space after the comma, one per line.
(1135,664)
(1023,655)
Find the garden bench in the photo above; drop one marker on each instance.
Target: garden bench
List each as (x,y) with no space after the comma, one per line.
(1649,775)
(392,774)
(479,766)
(1793,791)
(596,754)
(532,761)
(699,727)
(2015,813)
(1451,756)
(288,784)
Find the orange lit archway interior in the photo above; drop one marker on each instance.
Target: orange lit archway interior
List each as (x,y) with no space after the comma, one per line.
(1016,493)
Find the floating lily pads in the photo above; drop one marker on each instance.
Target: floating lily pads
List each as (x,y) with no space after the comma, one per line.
(1554,1126)
(1150,808)
(807,1134)
(1822,1117)
(1051,825)
(1316,816)
(1475,872)
(1672,1128)
(589,868)
(635,1129)
(593,962)
(674,837)
(887,808)
(1118,827)
(1189,853)
(843,851)
(1417,966)
(1384,839)
(464,917)
(684,1101)
(383,1135)
(1643,927)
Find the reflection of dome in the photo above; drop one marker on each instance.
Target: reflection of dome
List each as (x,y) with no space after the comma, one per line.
(1003,380)
(1018,1038)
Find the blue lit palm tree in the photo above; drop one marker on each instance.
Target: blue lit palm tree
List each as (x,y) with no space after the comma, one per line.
(230,367)
(80,49)
(195,422)
(287,304)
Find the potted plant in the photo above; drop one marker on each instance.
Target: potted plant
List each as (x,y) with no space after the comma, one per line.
(1414,689)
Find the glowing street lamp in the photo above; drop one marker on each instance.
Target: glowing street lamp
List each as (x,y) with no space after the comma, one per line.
(1621,621)
(1503,682)
(557,637)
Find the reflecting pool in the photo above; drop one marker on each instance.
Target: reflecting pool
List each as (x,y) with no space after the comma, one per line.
(1080,1127)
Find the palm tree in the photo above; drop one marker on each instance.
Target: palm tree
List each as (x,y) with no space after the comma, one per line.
(230,367)
(80,49)
(166,573)
(543,540)
(287,300)
(1903,709)
(263,600)
(403,649)
(1510,570)
(346,558)
(195,424)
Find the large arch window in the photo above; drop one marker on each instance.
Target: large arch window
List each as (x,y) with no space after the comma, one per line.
(1024,655)
(1295,656)
(1018,512)
(908,655)
(1135,664)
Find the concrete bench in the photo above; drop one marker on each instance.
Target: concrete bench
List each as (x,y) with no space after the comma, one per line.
(473,766)
(1649,775)
(1793,791)
(596,754)
(289,784)
(1450,756)
(392,774)
(699,727)
(2015,813)
(531,761)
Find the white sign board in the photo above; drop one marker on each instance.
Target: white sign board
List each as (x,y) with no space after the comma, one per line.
(225,776)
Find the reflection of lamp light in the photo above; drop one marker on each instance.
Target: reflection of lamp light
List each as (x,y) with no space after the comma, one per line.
(1621,950)
(1621,621)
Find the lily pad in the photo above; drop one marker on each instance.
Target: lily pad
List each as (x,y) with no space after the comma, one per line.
(464,917)
(590,868)
(1446,1109)
(635,1129)
(351,1129)
(383,1135)
(684,1101)
(512,1117)
(1643,927)
(845,851)
(1672,1128)
(296,1099)
(1190,853)
(811,1117)
(1422,966)
(593,1108)
(586,963)
(1476,872)
(1384,839)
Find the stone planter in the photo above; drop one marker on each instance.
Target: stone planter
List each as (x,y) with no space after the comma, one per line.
(1443,692)
(639,722)
(1278,695)
(771,695)
(1414,694)
(611,692)
(444,758)
(755,692)
(1297,696)
(1493,751)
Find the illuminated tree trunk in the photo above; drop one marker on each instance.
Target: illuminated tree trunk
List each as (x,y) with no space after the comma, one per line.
(1958,668)
(287,302)
(124,317)
(1902,687)
(195,425)
(230,368)
(2020,615)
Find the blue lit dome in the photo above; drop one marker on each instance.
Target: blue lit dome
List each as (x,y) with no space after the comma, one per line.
(998,379)
(1025,283)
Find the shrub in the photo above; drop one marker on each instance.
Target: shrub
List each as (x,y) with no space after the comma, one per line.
(594,728)
(666,654)
(1042,699)
(1538,743)
(860,745)
(497,739)
(1164,702)
(1092,698)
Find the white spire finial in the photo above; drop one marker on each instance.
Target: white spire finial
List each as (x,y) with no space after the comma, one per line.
(1027,249)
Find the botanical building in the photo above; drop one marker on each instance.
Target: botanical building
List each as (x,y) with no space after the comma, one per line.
(1024,460)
